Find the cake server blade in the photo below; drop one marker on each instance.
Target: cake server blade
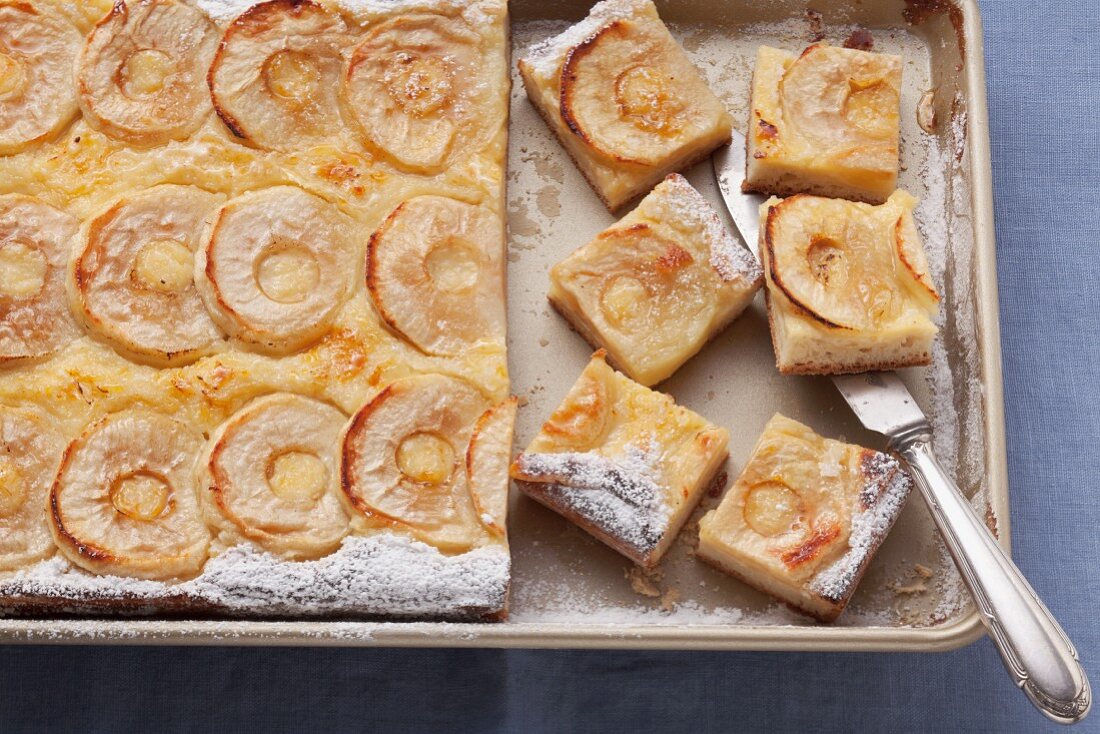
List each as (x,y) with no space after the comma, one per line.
(729,170)
(1034,649)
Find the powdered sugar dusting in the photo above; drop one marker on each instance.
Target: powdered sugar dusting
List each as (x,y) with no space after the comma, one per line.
(546,57)
(884,493)
(729,259)
(383,575)
(475,12)
(620,496)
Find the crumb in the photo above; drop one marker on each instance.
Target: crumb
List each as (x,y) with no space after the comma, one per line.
(669,599)
(860,40)
(689,536)
(521,400)
(544,342)
(917,587)
(644,582)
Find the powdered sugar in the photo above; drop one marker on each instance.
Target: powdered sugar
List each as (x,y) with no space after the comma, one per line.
(475,12)
(377,575)
(546,57)
(620,496)
(727,256)
(883,495)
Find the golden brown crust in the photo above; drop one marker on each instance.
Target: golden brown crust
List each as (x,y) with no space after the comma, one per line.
(639,190)
(830,616)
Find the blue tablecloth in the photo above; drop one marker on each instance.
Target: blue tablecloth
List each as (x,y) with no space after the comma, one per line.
(1043,61)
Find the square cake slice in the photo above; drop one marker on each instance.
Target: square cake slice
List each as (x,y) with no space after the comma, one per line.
(825,122)
(805,517)
(848,285)
(655,287)
(623,462)
(624,99)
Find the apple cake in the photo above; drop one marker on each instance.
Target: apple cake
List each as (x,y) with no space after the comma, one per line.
(623,462)
(656,286)
(624,99)
(805,518)
(825,122)
(848,287)
(252,329)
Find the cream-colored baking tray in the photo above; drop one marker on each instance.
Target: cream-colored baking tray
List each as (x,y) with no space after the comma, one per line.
(568,590)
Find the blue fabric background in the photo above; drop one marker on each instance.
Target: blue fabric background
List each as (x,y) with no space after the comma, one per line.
(1043,62)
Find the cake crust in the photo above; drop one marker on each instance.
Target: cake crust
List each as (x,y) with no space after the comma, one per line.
(222,266)
(847,285)
(805,517)
(622,462)
(624,100)
(658,285)
(825,122)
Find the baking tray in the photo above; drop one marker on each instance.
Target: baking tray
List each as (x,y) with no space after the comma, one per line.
(568,590)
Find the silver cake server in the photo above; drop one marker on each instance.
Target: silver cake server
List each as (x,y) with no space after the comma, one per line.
(1036,651)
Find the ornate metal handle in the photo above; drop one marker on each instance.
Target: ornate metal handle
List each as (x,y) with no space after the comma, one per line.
(1036,652)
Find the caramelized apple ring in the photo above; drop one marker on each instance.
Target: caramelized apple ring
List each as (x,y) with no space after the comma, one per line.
(37,94)
(403,458)
(487,459)
(275,79)
(833,260)
(415,88)
(648,288)
(141,73)
(623,91)
(270,474)
(132,275)
(434,270)
(30,452)
(124,502)
(273,267)
(35,320)
(847,98)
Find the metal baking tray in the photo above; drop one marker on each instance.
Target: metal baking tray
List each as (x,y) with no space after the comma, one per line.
(570,591)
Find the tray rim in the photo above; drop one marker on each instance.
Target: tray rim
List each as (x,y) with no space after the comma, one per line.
(964,631)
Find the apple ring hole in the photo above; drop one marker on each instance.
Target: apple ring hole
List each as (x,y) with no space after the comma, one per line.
(426,458)
(297,475)
(145,72)
(287,273)
(165,266)
(292,76)
(419,84)
(866,103)
(621,299)
(827,260)
(646,99)
(141,495)
(773,508)
(22,271)
(453,266)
